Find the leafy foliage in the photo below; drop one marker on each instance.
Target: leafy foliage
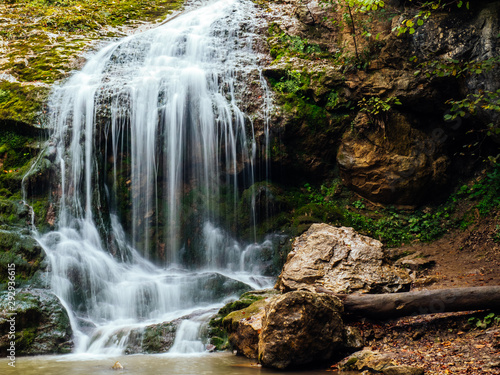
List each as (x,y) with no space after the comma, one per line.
(454,68)
(330,203)
(293,46)
(376,108)
(486,192)
(410,24)
(349,8)
(488,320)
(391,226)
(486,100)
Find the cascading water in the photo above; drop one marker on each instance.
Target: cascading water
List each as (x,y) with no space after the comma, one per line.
(154,152)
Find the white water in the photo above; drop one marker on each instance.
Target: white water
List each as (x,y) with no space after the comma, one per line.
(152,144)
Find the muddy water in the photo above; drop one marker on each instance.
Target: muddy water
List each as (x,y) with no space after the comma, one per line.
(207,364)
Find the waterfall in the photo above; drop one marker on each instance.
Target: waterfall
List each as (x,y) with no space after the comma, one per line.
(154,151)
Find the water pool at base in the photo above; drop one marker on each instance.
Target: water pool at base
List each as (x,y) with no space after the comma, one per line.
(206,364)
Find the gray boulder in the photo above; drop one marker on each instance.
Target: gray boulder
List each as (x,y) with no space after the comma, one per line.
(342,261)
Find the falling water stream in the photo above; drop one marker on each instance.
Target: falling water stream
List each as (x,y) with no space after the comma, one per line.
(154,152)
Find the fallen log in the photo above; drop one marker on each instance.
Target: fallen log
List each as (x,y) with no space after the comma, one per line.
(393,305)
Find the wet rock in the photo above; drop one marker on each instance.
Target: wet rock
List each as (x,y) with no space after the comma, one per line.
(159,338)
(244,327)
(301,327)
(225,322)
(342,261)
(212,286)
(41,323)
(22,250)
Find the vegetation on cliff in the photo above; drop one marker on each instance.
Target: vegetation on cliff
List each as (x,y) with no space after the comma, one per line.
(43,40)
(408,89)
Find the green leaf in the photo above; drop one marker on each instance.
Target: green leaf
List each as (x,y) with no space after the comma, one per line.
(412,30)
(420,22)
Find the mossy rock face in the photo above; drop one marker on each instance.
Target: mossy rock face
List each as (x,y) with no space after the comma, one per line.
(41,323)
(23,251)
(230,322)
(22,103)
(218,325)
(44,41)
(159,338)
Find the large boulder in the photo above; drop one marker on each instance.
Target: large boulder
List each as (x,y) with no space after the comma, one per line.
(395,165)
(41,324)
(244,327)
(301,327)
(155,338)
(232,324)
(342,261)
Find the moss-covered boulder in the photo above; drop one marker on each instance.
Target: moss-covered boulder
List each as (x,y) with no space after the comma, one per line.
(20,249)
(220,324)
(155,338)
(38,321)
(244,327)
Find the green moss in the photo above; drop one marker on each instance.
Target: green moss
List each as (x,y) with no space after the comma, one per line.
(286,46)
(44,38)
(230,322)
(21,103)
(248,304)
(25,338)
(21,250)
(153,337)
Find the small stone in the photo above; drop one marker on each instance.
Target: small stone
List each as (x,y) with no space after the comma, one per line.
(415,262)
(353,338)
(117,366)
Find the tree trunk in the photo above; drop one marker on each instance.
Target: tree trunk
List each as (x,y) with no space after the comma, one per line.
(392,305)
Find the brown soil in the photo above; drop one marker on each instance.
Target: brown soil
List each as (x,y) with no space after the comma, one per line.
(462,258)
(447,343)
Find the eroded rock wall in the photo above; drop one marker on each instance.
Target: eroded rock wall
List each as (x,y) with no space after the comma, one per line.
(407,154)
